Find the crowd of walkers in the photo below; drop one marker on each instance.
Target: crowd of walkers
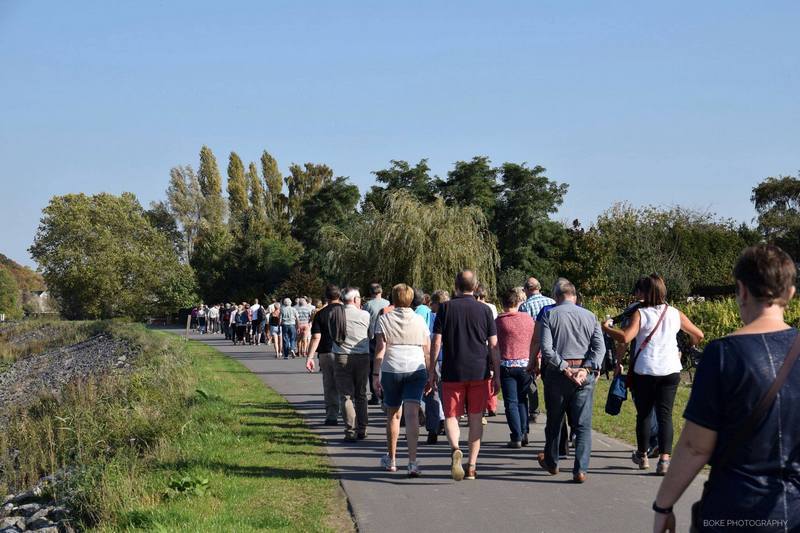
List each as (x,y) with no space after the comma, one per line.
(440,360)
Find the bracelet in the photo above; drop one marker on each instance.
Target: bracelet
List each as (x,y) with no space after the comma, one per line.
(662,510)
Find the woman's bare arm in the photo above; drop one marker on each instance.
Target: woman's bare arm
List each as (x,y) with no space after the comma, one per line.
(693,331)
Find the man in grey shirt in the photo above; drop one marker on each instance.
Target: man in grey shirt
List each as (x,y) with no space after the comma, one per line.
(572,347)
(351,367)
(374,306)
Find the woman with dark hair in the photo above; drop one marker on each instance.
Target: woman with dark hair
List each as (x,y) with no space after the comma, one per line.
(655,364)
(742,416)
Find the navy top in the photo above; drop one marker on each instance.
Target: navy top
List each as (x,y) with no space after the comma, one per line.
(761,481)
(465,325)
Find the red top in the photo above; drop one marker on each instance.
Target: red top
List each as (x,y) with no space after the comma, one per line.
(514,335)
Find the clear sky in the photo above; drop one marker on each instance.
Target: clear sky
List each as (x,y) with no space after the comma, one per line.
(688,103)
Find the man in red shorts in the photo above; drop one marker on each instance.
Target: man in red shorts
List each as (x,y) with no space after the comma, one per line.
(464,327)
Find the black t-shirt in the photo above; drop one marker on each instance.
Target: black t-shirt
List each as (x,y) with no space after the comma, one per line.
(734,374)
(330,323)
(465,325)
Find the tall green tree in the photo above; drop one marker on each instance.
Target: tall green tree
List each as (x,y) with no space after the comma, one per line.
(257,213)
(401,175)
(238,205)
(211,187)
(528,239)
(471,183)
(162,219)
(412,242)
(10,304)
(332,205)
(275,200)
(101,258)
(303,181)
(185,201)
(777,201)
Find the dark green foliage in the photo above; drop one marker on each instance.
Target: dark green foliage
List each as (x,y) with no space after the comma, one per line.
(165,223)
(471,183)
(400,175)
(238,205)
(527,238)
(332,205)
(101,258)
(777,201)
(302,182)
(301,282)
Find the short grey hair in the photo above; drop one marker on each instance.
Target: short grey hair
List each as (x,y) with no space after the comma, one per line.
(303,301)
(350,295)
(287,301)
(564,287)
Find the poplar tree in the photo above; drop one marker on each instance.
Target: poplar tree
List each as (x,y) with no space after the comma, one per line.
(258,217)
(274,181)
(211,186)
(237,196)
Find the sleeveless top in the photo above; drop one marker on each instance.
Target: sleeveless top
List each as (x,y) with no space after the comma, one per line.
(661,356)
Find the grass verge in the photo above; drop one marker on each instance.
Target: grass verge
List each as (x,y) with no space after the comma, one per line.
(265,469)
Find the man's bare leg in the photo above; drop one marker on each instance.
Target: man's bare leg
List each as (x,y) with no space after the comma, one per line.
(475,435)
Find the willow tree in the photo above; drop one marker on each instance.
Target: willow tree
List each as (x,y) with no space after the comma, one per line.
(424,245)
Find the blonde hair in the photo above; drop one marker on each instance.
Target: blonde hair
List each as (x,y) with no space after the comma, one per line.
(402,295)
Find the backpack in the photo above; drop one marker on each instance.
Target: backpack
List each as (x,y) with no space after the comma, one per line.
(260,315)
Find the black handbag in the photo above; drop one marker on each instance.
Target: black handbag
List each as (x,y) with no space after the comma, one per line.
(746,429)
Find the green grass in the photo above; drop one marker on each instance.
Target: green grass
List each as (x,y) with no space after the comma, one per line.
(264,467)
(623,425)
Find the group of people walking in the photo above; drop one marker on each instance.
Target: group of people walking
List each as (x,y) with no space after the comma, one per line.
(446,358)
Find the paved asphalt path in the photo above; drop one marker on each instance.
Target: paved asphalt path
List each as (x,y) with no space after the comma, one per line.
(511,493)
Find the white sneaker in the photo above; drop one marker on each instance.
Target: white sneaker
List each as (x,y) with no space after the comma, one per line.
(388,464)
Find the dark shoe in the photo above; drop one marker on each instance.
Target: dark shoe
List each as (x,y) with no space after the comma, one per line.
(580,477)
(653,452)
(373,401)
(514,444)
(551,470)
(456,470)
(471,472)
(331,422)
(350,437)
(525,439)
(662,467)
(441,428)
(433,438)
(361,435)
(491,413)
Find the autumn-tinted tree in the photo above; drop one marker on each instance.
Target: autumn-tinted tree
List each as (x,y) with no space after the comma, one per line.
(101,258)
(401,176)
(9,295)
(777,201)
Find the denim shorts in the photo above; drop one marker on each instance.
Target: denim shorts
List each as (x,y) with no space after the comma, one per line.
(400,387)
(274,330)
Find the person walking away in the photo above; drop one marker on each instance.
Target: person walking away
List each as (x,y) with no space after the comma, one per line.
(491,403)
(434,415)
(656,366)
(464,328)
(514,340)
(201,319)
(328,327)
(351,369)
(242,320)
(374,306)
(304,312)
(289,328)
(274,320)
(402,355)
(533,305)
(742,415)
(573,350)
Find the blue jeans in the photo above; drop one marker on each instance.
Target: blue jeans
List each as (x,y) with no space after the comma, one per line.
(289,338)
(434,415)
(515,383)
(562,396)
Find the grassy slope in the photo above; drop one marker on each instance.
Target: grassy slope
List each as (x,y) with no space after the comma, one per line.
(266,470)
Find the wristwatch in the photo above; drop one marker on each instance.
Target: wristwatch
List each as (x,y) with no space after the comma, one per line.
(662,510)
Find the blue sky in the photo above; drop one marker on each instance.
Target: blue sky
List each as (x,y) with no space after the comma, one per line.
(688,103)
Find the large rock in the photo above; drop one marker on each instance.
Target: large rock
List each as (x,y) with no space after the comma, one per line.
(12,521)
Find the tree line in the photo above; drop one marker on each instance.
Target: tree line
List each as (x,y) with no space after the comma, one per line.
(276,234)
